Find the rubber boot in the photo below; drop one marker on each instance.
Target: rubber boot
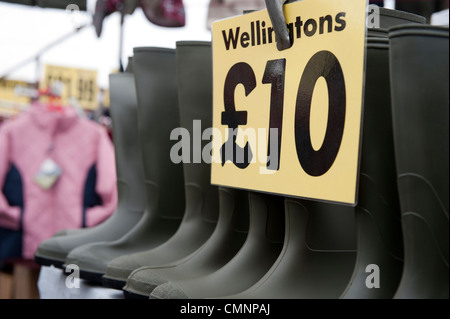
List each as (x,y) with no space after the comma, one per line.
(254,259)
(228,237)
(317,257)
(380,243)
(419,80)
(130,181)
(202,199)
(158,115)
(389,18)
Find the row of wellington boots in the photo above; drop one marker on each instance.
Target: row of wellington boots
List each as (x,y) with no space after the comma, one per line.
(199,248)
(227,239)
(156,88)
(327,247)
(130,181)
(419,62)
(202,199)
(258,253)
(320,257)
(249,235)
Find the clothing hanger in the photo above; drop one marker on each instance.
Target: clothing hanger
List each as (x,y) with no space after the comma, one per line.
(51,97)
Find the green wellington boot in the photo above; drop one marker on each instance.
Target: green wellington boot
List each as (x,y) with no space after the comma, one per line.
(158,115)
(379,227)
(380,243)
(228,237)
(130,180)
(420,98)
(202,199)
(254,259)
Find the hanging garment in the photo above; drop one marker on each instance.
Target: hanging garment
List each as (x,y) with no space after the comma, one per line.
(84,193)
(165,13)
(104,8)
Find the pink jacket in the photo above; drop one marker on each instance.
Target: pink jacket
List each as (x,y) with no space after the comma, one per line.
(78,146)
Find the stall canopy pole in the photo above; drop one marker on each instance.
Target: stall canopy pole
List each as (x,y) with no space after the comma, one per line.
(36,57)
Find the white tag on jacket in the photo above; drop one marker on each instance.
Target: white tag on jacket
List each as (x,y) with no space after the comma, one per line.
(48,174)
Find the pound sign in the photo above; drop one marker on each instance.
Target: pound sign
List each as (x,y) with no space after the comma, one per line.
(240,73)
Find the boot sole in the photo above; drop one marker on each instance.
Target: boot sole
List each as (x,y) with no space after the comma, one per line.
(45,261)
(113,283)
(132,295)
(93,277)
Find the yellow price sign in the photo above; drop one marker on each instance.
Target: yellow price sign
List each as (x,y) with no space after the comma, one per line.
(12,103)
(78,83)
(289,122)
(8,91)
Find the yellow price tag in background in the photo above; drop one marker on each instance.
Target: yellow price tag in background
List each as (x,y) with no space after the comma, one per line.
(10,102)
(289,122)
(78,83)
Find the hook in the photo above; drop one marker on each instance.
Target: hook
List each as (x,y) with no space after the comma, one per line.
(276,14)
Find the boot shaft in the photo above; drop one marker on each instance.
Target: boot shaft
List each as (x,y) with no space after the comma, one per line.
(194,78)
(127,146)
(420,79)
(158,115)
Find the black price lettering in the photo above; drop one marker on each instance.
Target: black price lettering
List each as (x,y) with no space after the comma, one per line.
(275,74)
(322,64)
(240,73)
(314,162)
